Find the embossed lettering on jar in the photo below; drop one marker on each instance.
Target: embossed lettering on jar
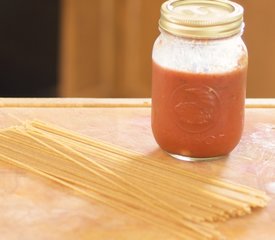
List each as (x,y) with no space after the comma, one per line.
(199,79)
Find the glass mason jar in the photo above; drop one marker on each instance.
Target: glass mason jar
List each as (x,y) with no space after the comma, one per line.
(199,79)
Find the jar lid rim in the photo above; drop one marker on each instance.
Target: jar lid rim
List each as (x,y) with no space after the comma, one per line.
(202,18)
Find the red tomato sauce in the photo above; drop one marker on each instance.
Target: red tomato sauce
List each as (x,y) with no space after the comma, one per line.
(198,114)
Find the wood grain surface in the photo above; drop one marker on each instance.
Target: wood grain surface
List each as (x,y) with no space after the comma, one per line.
(32,208)
(105,102)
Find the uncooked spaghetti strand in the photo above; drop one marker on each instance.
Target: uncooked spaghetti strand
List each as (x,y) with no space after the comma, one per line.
(240,197)
(248,210)
(69,134)
(176,191)
(236,212)
(39,156)
(187,216)
(53,161)
(183,222)
(17,136)
(15,144)
(186,193)
(232,200)
(190,217)
(156,221)
(209,233)
(120,166)
(150,164)
(162,189)
(95,187)
(193,217)
(148,179)
(63,172)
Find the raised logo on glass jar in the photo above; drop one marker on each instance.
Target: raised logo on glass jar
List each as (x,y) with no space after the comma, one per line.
(196,108)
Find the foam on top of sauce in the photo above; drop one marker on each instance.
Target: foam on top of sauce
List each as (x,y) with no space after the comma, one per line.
(197,56)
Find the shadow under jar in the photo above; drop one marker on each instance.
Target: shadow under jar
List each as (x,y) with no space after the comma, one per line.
(199,79)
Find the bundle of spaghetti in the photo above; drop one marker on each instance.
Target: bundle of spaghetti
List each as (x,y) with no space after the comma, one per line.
(155,191)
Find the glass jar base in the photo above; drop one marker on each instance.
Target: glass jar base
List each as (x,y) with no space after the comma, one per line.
(194,159)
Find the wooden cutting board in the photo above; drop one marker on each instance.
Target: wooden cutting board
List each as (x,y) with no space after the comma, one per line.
(32,208)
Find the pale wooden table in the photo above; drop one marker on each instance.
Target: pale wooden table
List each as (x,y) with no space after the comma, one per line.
(32,208)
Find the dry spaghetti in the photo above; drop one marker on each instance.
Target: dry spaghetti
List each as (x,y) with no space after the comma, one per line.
(176,200)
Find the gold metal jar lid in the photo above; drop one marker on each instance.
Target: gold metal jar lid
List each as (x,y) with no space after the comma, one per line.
(202,19)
